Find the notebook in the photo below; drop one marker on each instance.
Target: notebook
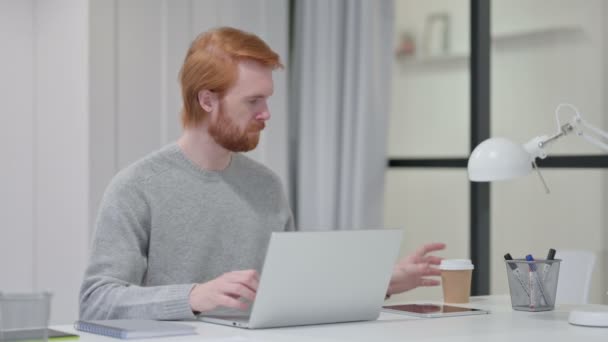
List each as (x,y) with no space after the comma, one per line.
(134,328)
(320,277)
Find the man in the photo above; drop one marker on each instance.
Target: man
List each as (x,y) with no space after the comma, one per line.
(184,230)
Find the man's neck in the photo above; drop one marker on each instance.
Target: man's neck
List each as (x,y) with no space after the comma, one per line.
(202,150)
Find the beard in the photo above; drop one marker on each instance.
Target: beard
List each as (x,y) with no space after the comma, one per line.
(228,134)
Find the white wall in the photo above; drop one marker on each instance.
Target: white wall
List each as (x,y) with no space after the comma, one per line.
(87,87)
(137,49)
(44,113)
(17,123)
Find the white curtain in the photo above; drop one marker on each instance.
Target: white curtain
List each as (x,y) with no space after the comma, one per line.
(340,96)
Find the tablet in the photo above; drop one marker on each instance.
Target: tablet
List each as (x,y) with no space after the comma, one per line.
(432,310)
(34,335)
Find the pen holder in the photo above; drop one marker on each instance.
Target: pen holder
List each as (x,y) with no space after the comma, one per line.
(533,284)
(24,316)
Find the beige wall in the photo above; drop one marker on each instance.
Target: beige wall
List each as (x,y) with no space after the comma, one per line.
(552,58)
(430,118)
(544,53)
(430,206)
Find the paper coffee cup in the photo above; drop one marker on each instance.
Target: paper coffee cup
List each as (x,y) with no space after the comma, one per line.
(456,280)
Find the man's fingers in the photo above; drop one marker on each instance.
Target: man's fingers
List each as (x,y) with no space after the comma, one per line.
(429,247)
(230,302)
(432,259)
(240,290)
(244,274)
(428,282)
(424,269)
(432,271)
(248,278)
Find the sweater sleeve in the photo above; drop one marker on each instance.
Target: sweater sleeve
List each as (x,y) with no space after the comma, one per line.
(113,282)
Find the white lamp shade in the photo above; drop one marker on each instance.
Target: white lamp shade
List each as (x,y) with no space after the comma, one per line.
(498,159)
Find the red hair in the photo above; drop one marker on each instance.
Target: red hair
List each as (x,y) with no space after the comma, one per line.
(211,63)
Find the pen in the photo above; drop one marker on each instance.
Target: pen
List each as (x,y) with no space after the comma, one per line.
(517,274)
(535,278)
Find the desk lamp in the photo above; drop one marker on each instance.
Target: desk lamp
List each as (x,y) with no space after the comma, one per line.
(498,159)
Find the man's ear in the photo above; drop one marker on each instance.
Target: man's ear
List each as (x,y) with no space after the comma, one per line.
(208,100)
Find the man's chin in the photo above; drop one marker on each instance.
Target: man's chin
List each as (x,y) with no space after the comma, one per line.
(255,130)
(252,144)
(245,146)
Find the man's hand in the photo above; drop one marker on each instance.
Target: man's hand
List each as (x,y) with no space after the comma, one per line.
(411,271)
(225,290)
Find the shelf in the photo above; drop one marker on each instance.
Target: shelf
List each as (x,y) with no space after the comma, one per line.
(537,33)
(497,38)
(447,59)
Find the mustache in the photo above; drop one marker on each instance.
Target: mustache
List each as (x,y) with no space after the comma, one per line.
(256,126)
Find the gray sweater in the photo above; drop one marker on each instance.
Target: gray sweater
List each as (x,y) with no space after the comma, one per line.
(165,224)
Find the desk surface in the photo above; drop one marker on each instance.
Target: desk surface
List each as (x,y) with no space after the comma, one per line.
(502,324)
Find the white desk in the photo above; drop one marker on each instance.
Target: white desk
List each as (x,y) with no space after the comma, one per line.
(502,324)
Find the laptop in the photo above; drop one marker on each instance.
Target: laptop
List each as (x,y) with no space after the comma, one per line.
(321,277)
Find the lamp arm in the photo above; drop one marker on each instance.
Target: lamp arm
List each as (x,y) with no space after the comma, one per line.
(536,146)
(581,125)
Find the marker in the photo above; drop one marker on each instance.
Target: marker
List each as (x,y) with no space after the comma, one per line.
(550,256)
(517,274)
(535,278)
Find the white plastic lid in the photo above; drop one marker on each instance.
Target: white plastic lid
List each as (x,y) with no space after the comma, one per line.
(456,264)
(590,316)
